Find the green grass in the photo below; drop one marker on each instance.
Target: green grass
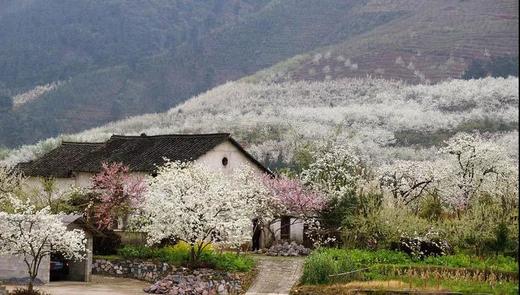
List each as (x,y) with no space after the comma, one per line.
(466,287)
(179,255)
(108,257)
(402,283)
(362,258)
(384,264)
(500,263)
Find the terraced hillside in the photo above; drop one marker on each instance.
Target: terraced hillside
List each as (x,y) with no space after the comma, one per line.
(433,41)
(66,70)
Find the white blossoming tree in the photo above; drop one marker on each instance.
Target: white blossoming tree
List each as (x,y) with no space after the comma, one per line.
(336,172)
(199,206)
(408,181)
(468,166)
(10,181)
(477,166)
(33,234)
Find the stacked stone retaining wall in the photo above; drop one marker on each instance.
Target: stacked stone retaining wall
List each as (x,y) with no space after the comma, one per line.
(149,271)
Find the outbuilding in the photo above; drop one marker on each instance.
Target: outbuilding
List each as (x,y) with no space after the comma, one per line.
(13,268)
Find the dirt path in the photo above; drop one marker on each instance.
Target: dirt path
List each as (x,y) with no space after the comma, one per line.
(276,275)
(99,285)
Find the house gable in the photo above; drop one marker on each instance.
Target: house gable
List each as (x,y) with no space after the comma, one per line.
(228,156)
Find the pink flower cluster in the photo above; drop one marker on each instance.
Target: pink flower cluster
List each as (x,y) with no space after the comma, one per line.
(118,192)
(294,196)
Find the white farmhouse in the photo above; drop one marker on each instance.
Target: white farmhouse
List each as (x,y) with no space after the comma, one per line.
(74,164)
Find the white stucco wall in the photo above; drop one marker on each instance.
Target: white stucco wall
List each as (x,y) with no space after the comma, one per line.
(82,270)
(83,179)
(275,228)
(213,158)
(296,230)
(34,184)
(14,267)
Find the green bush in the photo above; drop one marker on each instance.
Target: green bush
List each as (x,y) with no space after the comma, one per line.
(318,267)
(228,261)
(362,257)
(138,252)
(180,253)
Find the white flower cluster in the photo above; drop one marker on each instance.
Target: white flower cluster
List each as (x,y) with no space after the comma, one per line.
(195,204)
(10,181)
(336,171)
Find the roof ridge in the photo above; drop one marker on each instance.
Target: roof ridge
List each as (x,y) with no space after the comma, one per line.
(174,134)
(81,143)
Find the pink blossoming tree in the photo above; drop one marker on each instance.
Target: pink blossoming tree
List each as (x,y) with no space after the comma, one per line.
(291,197)
(118,192)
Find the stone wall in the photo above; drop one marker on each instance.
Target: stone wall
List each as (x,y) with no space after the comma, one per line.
(136,269)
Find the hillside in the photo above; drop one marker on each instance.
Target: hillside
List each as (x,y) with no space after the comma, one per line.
(109,60)
(432,42)
(385,120)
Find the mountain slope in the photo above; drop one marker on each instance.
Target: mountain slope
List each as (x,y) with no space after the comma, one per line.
(385,120)
(130,86)
(46,41)
(133,57)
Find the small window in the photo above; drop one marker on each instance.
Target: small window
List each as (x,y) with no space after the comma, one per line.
(224,161)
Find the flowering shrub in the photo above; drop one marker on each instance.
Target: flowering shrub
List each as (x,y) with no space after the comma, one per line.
(10,182)
(293,197)
(420,247)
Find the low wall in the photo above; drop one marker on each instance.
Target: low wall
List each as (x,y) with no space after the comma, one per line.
(136,269)
(13,267)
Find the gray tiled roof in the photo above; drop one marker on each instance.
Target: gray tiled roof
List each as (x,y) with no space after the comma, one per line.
(145,153)
(58,162)
(139,153)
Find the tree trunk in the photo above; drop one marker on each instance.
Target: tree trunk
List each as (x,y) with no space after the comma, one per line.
(30,287)
(192,254)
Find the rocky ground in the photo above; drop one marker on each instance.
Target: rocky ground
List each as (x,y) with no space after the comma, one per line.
(200,282)
(287,249)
